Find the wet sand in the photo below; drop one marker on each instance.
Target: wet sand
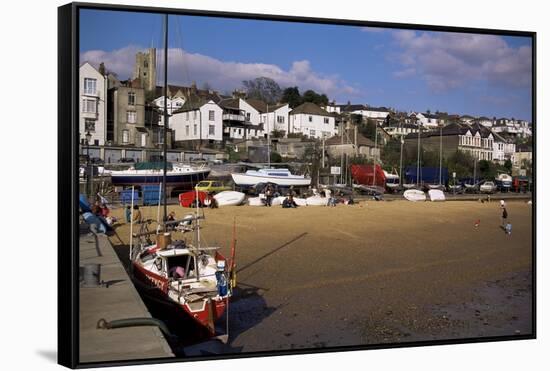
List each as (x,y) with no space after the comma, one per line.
(377,272)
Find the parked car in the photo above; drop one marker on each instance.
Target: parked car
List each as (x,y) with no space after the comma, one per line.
(126,160)
(97,161)
(211,186)
(488,187)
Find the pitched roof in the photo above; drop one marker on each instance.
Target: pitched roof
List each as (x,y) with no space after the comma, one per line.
(231,103)
(349,138)
(377,109)
(311,109)
(259,105)
(188,91)
(193,103)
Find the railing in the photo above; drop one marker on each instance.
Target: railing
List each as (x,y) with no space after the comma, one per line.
(232,117)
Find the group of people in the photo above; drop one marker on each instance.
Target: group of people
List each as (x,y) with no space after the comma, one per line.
(136,217)
(100,209)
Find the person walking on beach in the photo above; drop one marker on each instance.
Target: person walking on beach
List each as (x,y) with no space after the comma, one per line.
(504,217)
(268,195)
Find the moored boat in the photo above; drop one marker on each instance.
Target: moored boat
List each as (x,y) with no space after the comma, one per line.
(181,176)
(281,177)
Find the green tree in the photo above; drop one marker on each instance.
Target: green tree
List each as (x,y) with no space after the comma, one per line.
(313,97)
(508,166)
(276,157)
(292,97)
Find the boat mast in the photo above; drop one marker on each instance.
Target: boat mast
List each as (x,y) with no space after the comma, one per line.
(440,149)
(165,113)
(268,138)
(418,156)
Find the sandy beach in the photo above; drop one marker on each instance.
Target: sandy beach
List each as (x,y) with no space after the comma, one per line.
(377,272)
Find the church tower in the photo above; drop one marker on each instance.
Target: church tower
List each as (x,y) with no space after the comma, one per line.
(145,69)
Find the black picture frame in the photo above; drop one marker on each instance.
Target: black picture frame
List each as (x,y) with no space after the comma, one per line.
(68,209)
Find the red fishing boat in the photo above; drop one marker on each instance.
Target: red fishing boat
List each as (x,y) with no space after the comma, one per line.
(366,177)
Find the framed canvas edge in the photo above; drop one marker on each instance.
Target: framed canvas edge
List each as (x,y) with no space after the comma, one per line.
(68,64)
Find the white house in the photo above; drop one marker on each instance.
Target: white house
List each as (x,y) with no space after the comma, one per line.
(241,119)
(485,121)
(172,104)
(197,120)
(312,121)
(430,120)
(503,148)
(92,107)
(276,118)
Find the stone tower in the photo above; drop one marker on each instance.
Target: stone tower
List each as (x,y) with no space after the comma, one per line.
(145,69)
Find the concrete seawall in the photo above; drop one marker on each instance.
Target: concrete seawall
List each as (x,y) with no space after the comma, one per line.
(116,300)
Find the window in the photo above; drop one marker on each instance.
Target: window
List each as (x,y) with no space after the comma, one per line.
(326,120)
(143,139)
(131,117)
(280,119)
(90,86)
(131,98)
(195,129)
(187,131)
(89,106)
(312,133)
(310,118)
(187,116)
(89,125)
(211,115)
(125,136)
(194,115)
(211,130)
(248,116)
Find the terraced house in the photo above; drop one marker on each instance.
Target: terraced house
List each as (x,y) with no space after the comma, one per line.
(475,139)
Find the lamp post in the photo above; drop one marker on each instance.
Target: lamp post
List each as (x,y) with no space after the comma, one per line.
(89,171)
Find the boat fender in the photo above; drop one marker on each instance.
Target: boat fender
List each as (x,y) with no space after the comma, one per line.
(158,263)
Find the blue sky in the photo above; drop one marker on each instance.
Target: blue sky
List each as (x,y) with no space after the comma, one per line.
(409,70)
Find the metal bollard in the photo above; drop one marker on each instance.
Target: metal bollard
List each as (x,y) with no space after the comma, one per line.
(91,275)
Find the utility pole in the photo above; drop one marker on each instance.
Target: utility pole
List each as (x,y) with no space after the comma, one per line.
(375,153)
(268,135)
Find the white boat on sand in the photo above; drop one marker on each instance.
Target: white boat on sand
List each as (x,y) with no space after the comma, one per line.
(281,177)
(414,195)
(316,201)
(229,198)
(436,195)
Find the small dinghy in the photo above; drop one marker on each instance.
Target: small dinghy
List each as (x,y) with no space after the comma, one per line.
(256,201)
(436,195)
(277,201)
(414,195)
(300,201)
(316,201)
(229,198)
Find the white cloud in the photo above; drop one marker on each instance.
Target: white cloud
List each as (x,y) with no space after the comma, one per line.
(222,75)
(448,60)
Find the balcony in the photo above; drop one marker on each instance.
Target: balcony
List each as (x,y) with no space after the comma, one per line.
(233,117)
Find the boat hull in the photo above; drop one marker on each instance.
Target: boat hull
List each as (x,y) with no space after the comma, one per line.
(247,180)
(155,288)
(181,181)
(414,195)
